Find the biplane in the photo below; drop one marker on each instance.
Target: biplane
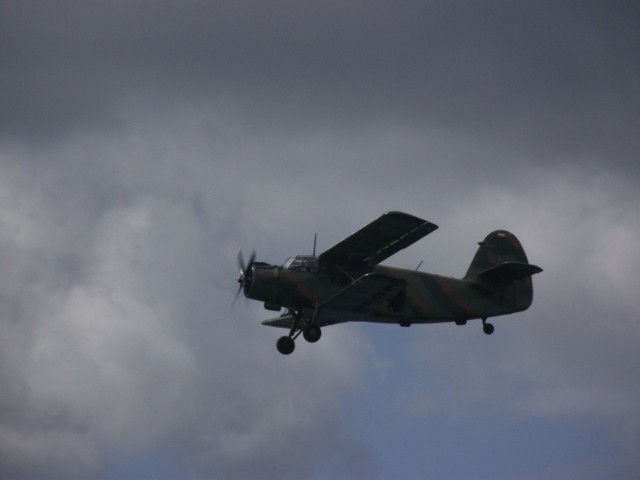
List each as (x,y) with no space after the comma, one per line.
(347,283)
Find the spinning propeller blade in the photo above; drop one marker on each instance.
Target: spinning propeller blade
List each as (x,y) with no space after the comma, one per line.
(245,271)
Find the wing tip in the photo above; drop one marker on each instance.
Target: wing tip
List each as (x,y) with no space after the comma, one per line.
(408,216)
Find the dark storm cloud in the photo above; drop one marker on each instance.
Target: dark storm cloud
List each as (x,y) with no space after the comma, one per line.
(552,76)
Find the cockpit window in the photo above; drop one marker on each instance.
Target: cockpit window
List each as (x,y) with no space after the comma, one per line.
(303,263)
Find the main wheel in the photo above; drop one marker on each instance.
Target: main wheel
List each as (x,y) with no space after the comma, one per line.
(312,334)
(285,345)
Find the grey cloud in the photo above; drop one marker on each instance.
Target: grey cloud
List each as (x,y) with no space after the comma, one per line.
(570,358)
(133,348)
(143,143)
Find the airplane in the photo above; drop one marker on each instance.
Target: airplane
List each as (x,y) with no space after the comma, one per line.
(347,283)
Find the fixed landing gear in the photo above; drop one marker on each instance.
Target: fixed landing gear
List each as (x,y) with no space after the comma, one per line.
(310,331)
(487,327)
(286,345)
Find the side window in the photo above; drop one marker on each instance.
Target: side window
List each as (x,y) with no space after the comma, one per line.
(302,264)
(310,264)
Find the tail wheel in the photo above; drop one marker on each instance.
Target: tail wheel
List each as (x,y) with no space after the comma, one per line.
(487,327)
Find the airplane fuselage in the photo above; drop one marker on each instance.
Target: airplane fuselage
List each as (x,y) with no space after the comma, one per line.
(425,298)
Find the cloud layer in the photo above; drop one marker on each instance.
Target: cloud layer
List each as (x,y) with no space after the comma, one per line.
(143,143)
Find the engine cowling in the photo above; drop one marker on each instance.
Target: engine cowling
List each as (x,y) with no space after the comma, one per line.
(262,282)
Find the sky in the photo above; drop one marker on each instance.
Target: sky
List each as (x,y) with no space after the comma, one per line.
(142,143)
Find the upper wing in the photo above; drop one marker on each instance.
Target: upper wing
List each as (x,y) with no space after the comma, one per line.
(377,241)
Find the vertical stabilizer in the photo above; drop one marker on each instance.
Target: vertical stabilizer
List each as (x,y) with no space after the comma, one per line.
(501,265)
(499,247)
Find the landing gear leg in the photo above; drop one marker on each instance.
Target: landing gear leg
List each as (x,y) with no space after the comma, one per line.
(487,327)
(310,331)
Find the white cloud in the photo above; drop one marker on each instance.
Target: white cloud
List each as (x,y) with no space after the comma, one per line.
(142,349)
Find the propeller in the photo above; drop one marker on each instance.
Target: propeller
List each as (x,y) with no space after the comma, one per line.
(245,271)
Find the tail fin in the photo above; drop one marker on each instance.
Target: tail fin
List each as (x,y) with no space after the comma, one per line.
(501,264)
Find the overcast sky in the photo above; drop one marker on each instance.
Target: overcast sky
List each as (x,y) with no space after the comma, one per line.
(142,143)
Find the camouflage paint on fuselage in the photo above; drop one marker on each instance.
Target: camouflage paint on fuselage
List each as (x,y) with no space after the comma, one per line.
(436,298)
(425,298)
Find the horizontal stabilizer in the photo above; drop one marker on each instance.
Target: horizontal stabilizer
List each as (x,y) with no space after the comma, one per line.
(508,272)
